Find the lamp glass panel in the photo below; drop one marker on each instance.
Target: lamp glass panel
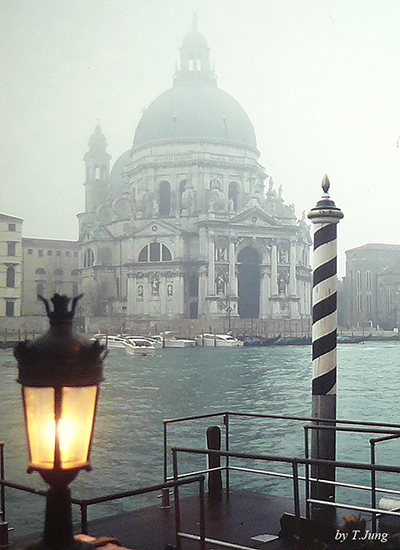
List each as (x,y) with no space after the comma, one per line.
(75,426)
(40,425)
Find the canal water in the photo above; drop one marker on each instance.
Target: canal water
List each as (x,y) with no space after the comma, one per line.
(139,392)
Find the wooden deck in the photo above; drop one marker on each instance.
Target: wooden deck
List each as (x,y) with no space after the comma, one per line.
(237,520)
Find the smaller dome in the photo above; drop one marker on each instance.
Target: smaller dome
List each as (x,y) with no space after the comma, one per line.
(98,140)
(116,177)
(195,39)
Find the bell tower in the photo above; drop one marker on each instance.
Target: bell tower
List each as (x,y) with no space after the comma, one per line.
(97,171)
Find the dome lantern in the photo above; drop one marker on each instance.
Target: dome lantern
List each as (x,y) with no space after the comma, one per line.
(194,57)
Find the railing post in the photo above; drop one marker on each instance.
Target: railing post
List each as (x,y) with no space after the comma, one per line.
(214,461)
(176,499)
(165,502)
(2,489)
(226,423)
(296,494)
(84,519)
(202,515)
(307,473)
(4,535)
(3,524)
(373,485)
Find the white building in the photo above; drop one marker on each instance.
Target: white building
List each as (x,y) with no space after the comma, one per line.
(10,265)
(187,224)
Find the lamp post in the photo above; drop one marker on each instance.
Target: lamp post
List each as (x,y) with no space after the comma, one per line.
(60,374)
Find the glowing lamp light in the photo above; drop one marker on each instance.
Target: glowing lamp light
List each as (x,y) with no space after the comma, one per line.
(59,436)
(60,373)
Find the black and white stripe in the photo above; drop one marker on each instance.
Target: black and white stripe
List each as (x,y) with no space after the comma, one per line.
(325,217)
(324,309)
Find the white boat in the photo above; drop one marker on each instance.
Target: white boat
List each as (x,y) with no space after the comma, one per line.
(218,340)
(170,340)
(139,346)
(179,343)
(156,341)
(111,342)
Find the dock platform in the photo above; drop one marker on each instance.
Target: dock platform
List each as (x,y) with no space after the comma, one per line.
(237,520)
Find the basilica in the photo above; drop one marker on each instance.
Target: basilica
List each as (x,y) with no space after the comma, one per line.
(186,223)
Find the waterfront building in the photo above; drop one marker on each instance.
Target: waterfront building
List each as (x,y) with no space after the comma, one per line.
(29,267)
(49,266)
(187,224)
(372,286)
(10,265)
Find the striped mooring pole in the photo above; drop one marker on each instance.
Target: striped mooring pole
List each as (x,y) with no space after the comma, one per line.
(325,216)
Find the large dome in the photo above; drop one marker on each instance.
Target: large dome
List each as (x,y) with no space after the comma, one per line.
(195,110)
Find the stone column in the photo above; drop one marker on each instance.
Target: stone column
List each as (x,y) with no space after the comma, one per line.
(274,270)
(130,299)
(202,291)
(232,291)
(180,294)
(211,266)
(292,272)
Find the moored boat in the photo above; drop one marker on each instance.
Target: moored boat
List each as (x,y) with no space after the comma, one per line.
(111,342)
(252,342)
(139,346)
(218,340)
(170,340)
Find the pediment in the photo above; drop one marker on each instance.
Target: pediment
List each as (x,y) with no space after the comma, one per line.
(94,232)
(253,215)
(154,228)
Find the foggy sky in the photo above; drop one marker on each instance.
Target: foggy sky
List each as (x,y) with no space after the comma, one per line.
(319,79)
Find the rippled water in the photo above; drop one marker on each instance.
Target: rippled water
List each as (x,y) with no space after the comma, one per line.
(139,392)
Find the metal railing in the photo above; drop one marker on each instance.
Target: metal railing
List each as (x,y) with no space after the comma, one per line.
(299,479)
(295,463)
(84,504)
(387,431)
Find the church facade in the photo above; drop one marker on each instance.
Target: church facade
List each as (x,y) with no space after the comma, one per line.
(187,224)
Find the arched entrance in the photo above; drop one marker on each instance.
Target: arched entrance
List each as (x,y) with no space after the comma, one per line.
(249,283)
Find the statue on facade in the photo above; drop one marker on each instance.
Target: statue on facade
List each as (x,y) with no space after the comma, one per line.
(217,199)
(188,200)
(155,287)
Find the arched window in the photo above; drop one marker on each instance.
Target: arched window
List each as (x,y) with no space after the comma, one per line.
(233,193)
(155,252)
(144,254)
(165,199)
(40,271)
(88,259)
(58,272)
(165,254)
(10,277)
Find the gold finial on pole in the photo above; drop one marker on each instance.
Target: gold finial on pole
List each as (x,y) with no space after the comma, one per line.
(325,184)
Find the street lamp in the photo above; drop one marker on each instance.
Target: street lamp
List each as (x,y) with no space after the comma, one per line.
(60,373)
